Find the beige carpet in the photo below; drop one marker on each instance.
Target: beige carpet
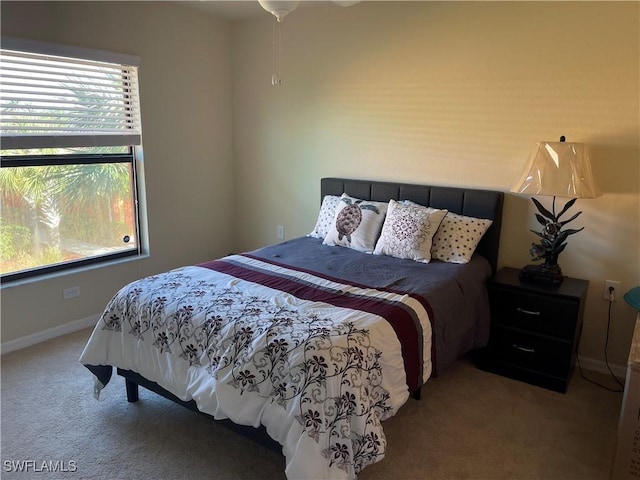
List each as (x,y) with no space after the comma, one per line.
(469,425)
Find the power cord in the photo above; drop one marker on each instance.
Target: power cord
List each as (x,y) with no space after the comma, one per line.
(606,359)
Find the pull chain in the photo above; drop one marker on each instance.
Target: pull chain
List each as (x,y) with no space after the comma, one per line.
(276,78)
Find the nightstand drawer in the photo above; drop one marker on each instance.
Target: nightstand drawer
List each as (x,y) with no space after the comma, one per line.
(534,329)
(532,352)
(535,313)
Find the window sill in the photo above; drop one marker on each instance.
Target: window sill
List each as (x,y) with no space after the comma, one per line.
(71,271)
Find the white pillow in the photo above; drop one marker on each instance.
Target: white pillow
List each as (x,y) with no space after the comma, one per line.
(457,238)
(408,231)
(356,224)
(326,216)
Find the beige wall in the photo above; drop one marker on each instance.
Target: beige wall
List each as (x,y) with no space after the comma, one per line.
(448,93)
(186,135)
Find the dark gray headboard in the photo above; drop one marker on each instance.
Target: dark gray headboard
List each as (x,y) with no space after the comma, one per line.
(463,201)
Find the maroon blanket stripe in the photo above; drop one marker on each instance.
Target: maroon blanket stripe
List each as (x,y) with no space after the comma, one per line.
(395,314)
(423,301)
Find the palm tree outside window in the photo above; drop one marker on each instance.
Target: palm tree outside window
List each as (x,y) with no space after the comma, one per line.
(70,142)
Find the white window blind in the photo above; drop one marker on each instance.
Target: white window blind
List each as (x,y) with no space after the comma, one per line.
(61,101)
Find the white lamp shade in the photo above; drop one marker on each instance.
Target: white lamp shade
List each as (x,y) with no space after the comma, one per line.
(561,169)
(278,8)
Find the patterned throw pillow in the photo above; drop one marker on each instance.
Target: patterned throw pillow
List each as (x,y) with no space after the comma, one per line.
(408,231)
(326,216)
(356,224)
(457,238)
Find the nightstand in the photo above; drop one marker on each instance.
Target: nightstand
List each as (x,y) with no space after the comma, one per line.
(534,329)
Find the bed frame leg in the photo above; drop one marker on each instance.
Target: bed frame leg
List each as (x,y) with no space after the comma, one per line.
(132,390)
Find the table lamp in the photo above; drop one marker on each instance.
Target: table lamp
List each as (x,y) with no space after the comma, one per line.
(557,169)
(632,297)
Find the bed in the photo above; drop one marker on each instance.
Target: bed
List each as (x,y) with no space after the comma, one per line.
(310,344)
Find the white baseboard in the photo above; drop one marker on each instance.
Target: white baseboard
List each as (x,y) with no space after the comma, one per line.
(592,364)
(48,334)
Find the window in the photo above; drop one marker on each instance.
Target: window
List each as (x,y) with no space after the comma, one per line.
(70,143)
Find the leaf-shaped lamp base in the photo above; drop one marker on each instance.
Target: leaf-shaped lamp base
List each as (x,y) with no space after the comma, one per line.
(542,274)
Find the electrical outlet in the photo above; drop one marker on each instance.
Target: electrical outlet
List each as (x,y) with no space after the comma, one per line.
(71,292)
(616,289)
(280,232)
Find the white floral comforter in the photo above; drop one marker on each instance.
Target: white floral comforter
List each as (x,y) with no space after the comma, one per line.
(312,359)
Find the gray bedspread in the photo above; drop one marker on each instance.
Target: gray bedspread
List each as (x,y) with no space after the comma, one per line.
(456,293)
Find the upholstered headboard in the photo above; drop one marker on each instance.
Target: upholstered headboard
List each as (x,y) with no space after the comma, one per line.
(463,201)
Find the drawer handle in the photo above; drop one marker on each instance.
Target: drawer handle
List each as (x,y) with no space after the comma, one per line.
(528,312)
(524,349)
